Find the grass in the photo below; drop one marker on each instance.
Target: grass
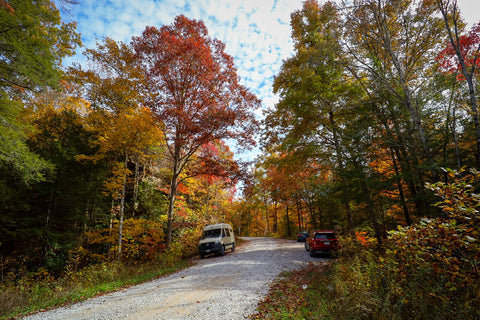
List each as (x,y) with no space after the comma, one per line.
(27,296)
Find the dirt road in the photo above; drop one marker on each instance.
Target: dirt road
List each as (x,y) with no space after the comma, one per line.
(227,287)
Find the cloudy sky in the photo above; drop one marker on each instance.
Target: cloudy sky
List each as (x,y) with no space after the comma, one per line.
(256,32)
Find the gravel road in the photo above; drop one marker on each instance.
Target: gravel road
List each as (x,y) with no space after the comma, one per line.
(227,287)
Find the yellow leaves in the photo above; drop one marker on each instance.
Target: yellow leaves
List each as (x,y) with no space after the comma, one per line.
(113,186)
(142,240)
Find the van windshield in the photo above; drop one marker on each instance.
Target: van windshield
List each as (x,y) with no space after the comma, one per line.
(215,233)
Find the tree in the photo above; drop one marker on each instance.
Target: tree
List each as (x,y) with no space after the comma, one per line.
(123,125)
(314,91)
(464,50)
(393,42)
(33,41)
(195,93)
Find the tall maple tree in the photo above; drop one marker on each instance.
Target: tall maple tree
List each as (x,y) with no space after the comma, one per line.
(195,93)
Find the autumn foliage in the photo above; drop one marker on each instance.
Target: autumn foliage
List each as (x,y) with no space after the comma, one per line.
(195,93)
(120,162)
(468,45)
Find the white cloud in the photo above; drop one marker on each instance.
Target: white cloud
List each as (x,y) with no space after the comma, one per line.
(470,10)
(256,32)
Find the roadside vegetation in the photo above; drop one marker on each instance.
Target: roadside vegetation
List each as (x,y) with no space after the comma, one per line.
(427,271)
(29,292)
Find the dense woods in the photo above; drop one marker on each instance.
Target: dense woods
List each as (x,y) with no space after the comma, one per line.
(123,159)
(376,134)
(378,100)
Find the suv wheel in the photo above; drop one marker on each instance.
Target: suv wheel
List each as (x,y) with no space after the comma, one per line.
(307,247)
(312,252)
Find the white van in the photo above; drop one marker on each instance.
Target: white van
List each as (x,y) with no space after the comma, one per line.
(216,238)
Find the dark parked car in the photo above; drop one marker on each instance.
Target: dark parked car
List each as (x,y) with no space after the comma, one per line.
(321,241)
(302,236)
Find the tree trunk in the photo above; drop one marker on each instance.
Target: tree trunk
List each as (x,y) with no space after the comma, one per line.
(299,214)
(400,189)
(122,211)
(289,232)
(171,206)
(275,217)
(338,150)
(370,208)
(266,215)
(135,187)
(455,139)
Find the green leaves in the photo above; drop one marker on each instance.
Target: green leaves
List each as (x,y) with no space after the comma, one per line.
(14,152)
(33,42)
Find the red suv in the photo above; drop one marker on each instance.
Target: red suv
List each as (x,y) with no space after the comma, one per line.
(324,241)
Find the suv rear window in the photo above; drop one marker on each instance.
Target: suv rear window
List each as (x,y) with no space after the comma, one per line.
(324,236)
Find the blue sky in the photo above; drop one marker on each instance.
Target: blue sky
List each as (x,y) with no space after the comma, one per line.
(256,32)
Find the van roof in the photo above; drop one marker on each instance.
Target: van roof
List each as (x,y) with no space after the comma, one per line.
(215,226)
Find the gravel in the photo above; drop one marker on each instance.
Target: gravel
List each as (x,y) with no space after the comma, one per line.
(228,287)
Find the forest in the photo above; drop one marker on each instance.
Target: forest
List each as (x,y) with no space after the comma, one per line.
(376,134)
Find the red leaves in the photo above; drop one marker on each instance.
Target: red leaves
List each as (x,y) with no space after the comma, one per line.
(194,86)
(469,46)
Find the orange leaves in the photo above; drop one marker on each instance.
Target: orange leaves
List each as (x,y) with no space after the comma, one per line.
(114,184)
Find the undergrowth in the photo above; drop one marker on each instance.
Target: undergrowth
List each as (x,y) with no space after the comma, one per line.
(39,291)
(430,270)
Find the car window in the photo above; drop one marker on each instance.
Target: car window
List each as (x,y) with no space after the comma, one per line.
(324,236)
(215,233)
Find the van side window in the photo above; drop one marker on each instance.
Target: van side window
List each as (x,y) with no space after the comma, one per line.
(228,233)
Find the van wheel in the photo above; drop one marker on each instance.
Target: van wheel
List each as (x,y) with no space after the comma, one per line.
(222,251)
(233,247)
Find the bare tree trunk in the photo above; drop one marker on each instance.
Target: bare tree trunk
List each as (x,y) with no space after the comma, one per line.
(122,210)
(289,232)
(455,139)
(299,214)
(135,187)
(266,215)
(340,163)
